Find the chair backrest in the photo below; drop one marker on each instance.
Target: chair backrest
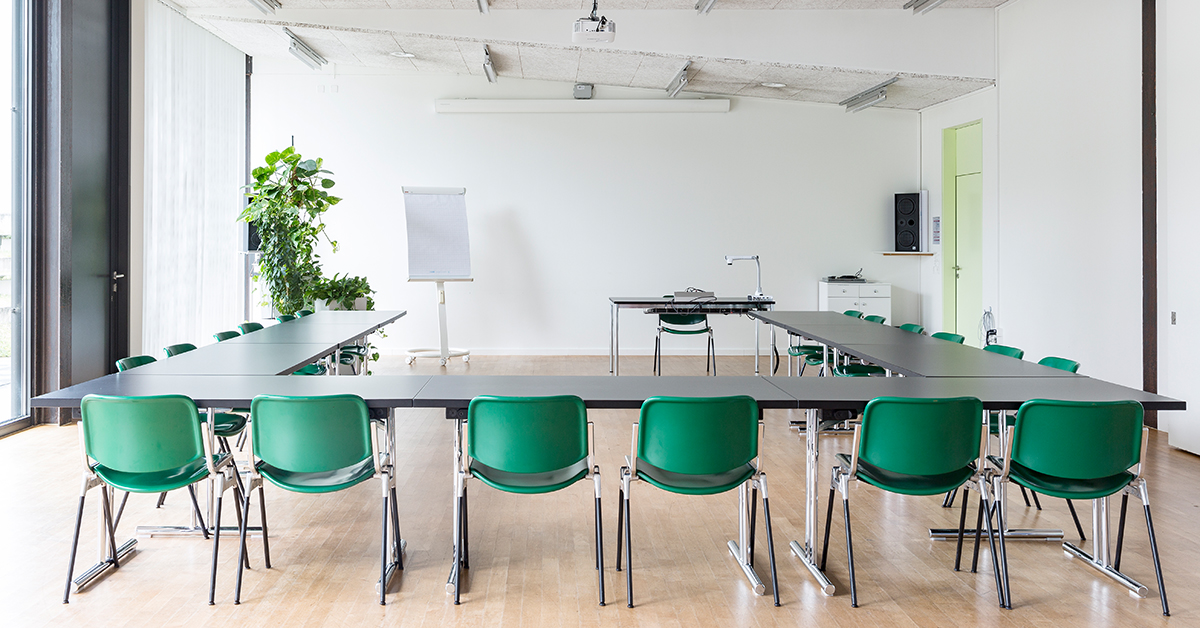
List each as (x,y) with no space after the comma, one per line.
(527,434)
(310,434)
(222,336)
(303,313)
(1061,364)
(698,435)
(249,327)
(875,318)
(681,319)
(853,313)
(175,350)
(141,434)
(1011,352)
(913,327)
(921,436)
(945,335)
(124,364)
(285,318)
(1078,440)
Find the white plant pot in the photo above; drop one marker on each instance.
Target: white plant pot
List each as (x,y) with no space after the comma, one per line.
(360,303)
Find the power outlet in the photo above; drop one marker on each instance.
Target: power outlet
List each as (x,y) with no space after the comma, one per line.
(1172,318)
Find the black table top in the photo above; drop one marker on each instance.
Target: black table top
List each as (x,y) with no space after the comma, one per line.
(227,358)
(364,318)
(456,391)
(714,302)
(286,333)
(226,391)
(996,393)
(941,358)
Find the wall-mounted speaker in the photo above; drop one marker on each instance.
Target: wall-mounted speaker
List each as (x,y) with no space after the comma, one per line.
(909,216)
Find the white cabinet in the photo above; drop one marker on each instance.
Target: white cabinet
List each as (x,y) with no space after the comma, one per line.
(868,297)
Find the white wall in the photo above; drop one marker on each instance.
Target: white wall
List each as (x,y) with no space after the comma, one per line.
(1070,183)
(1179,220)
(567,210)
(980,106)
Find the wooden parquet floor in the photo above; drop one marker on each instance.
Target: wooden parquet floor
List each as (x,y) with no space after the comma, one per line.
(532,557)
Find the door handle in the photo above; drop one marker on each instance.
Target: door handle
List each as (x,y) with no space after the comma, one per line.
(116,275)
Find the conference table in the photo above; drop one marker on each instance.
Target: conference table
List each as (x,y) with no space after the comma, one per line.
(212,389)
(671,305)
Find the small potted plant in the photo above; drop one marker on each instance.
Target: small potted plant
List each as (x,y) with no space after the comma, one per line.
(343,293)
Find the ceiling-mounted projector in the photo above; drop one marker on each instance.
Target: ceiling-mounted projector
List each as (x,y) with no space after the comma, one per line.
(593,29)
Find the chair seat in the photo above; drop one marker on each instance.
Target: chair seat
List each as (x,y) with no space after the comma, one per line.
(157,482)
(228,425)
(311,369)
(689,484)
(354,350)
(686,332)
(805,350)
(1065,488)
(530,483)
(320,482)
(859,370)
(905,484)
(816,359)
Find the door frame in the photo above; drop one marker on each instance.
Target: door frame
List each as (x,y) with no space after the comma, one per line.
(949,223)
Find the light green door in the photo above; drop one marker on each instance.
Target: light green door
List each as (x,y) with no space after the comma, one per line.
(962,229)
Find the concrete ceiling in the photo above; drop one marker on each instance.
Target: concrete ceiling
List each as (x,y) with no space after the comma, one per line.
(261,36)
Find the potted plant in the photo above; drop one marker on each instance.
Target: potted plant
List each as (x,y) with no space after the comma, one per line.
(343,293)
(289,195)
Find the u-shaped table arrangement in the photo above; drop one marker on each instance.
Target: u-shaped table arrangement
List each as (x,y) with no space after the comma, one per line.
(230,374)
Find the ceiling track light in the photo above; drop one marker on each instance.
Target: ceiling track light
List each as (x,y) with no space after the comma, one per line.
(921,7)
(483,6)
(868,98)
(676,85)
(268,7)
(304,52)
(489,70)
(704,6)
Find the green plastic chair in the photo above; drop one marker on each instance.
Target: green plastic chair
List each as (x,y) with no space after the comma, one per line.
(698,446)
(133,361)
(1081,450)
(945,335)
(147,445)
(802,352)
(285,318)
(1062,364)
(175,350)
(914,447)
(859,370)
(525,445)
(318,445)
(875,318)
(248,327)
(303,313)
(913,327)
(853,313)
(1011,352)
(684,324)
(222,336)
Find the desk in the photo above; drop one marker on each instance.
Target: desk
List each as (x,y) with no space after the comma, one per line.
(668,305)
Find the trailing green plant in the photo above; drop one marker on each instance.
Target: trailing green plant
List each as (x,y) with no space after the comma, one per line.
(344,290)
(289,195)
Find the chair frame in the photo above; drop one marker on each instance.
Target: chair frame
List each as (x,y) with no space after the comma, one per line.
(383,458)
(462,473)
(742,550)
(1103,561)
(220,478)
(710,357)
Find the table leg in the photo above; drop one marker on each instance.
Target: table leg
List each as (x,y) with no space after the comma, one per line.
(612,335)
(616,339)
(807,552)
(757,326)
(1102,559)
(741,548)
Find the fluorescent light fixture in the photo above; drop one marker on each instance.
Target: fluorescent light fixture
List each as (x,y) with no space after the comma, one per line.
(704,6)
(677,83)
(868,98)
(267,6)
(489,70)
(304,52)
(403,55)
(775,85)
(483,6)
(921,7)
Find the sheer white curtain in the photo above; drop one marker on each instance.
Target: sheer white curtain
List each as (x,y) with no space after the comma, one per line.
(194,167)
